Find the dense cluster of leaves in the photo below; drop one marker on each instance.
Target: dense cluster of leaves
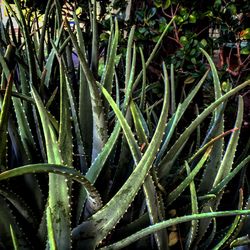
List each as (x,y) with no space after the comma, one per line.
(194,26)
(122,160)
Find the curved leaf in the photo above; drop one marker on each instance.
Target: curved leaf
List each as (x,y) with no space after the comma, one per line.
(152,229)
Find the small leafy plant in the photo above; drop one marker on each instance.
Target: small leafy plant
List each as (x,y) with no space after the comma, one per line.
(115,167)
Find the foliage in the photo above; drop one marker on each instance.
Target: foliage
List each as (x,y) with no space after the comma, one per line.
(116,162)
(213,25)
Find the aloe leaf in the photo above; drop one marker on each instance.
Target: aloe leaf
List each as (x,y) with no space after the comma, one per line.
(142,121)
(85,109)
(14,239)
(3,32)
(195,210)
(198,130)
(29,48)
(220,186)
(58,10)
(216,154)
(216,128)
(207,242)
(173,87)
(106,218)
(21,116)
(50,60)
(69,94)
(233,226)
(6,219)
(154,211)
(129,55)
(79,35)
(181,187)
(128,133)
(50,137)
(12,28)
(20,205)
(24,129)
(241,241)
(83,163)
(124,151)
(144,78)
(216,80)
(56,196)
(99,126)
(24,87)
(229,155)
(4,116)
(15,141)
(4,65)
(43,33)
(18,95)
(149,186)
(101,159)
(151,229)
(65,136)
(117,88)
(79,137)
(52,98)
(109,70)
(97,165)
(139,126)
(51,236)
(174,151)
(57,169)
(172,123)
(224,168)
(210,143)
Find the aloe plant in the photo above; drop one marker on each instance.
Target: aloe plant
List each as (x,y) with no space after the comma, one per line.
(88,159)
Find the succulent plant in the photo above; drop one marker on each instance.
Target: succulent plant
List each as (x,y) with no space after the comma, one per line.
(114,165)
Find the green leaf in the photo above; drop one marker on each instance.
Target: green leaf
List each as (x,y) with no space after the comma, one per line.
(56,196)
(51,236)
(109,70)
(43,33)
(229,155)
(4,116)
(218,188)
(173,122)
(14,239)
(129,55)
(189,80)
(181,187)
(175,150)
(149,186)
(168,223)
(105,219)
(57,169)
(27,39)
(143,89)
(7,219)
(20,205)
(99,125)
(166,4)
(65,136)
(233,226)
(85,113)
(195,210)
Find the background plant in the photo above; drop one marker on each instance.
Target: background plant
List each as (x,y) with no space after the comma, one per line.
(118,152)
